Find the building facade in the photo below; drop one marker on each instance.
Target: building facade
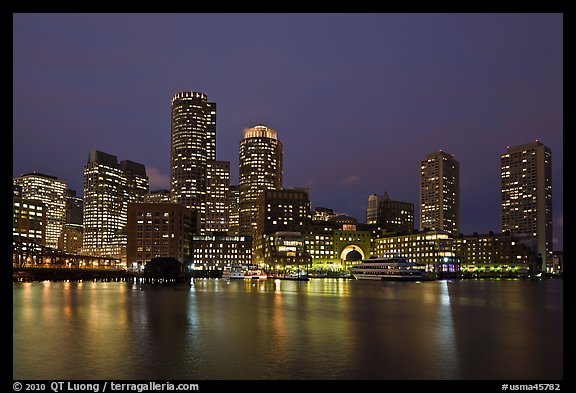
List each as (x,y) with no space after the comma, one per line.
(160,230)
(214,252)
(440,193)
(526,195)
(109,187)
(193,144)
(260,169)
(434,249)
(52,192)
(234,215)
(493,253)
(217,202)
(28,229)
(391,216)
(283,219)
(70,240)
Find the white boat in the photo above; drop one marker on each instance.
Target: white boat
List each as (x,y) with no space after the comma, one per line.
(232,273)
(255,273)
(389,268)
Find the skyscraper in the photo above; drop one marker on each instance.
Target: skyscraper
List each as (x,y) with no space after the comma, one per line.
(108,188)
(440,192)
(70,240)
(28,228)
(260,169)
(52,192)
(193,144)
(526,195)
(217,203)
(234,215)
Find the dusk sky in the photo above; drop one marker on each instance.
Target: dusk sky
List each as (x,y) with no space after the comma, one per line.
(357,99)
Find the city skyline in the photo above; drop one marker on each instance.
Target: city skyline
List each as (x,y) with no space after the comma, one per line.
(473,110)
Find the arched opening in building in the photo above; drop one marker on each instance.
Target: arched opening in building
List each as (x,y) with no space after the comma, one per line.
(351,254)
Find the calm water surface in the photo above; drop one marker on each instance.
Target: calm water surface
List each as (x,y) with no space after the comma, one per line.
(320,329)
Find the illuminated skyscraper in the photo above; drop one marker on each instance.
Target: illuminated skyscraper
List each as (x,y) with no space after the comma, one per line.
(526,195)
(217,205)
(260,169)
(28,228)
(108,188)
(52,192)
(440,193)
(193,144)
(234,203)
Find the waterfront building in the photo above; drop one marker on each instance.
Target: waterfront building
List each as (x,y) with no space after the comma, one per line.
(526,195)
(109,187)
(391,216)
(234,215)
(494,253)
(284,251)
(440,193)
(217,202)
(193,144)
(160,230)
(319,241)
(335,243)
(435,249)
(158,196)
(28,228)
(52,192)
(214,252)
(281,215)
(351,245)
(260,169)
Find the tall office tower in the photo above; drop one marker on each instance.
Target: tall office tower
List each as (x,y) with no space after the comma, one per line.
(260,169)
(217,205)
(526,195)
(233,219)
(28,228)
(74,207)
(372,210)
(52,192)
(70,240)
(440,193)
(389,215)
(108,188)
(193,143)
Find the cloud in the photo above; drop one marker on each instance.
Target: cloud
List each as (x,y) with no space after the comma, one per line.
(156,179)
(349,180)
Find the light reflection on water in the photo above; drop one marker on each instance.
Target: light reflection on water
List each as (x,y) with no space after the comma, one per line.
(267,329)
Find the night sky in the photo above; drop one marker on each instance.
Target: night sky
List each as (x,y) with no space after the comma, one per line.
(357,99)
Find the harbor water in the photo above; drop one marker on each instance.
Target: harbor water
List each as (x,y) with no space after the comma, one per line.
(325,329)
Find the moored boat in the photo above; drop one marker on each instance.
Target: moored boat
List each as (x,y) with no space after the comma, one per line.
(389,268)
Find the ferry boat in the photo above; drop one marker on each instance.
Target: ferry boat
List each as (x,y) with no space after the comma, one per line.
(232,273)
(389,268)
(254,273)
